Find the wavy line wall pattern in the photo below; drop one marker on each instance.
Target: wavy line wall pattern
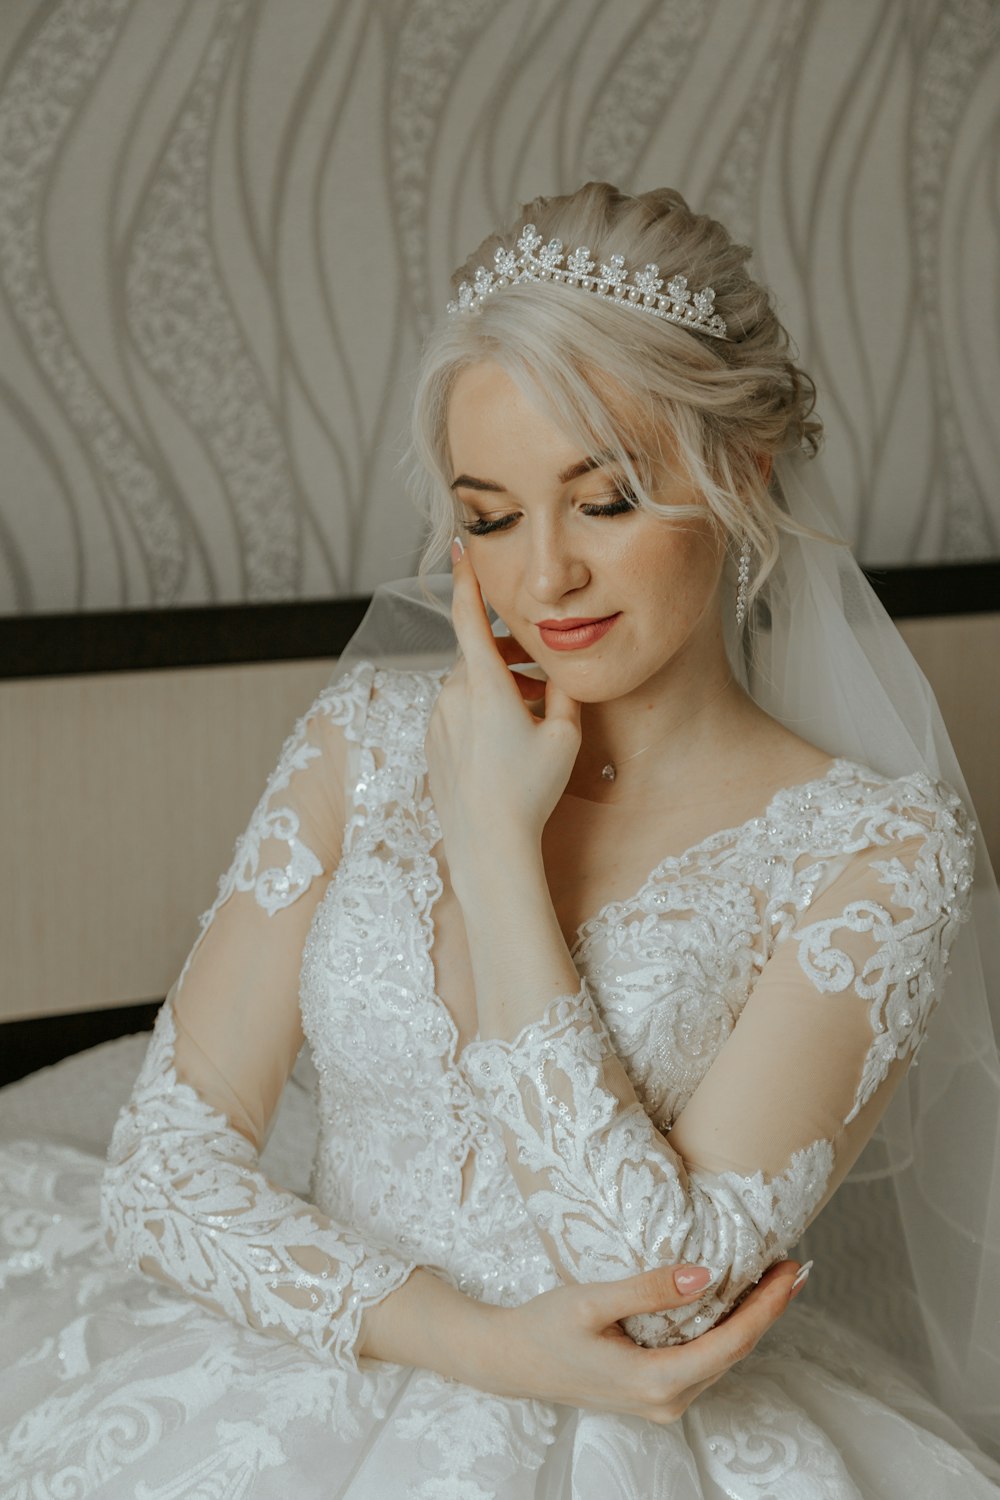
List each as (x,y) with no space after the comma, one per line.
(225,226)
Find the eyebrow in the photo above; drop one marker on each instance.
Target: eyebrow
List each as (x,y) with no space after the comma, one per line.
(575,471)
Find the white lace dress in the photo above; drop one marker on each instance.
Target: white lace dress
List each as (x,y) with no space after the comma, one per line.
(197,1338)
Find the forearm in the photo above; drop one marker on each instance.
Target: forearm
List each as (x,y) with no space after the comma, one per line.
(608,1194)
(605,1189)
(184,1200)
(520,961)
(428,1324)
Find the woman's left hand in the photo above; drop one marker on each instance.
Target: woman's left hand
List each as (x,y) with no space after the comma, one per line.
(496,769)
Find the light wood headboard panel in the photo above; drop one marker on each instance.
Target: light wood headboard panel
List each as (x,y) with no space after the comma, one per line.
(121,796)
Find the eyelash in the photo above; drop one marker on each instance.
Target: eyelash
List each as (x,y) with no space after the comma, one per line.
(483,527)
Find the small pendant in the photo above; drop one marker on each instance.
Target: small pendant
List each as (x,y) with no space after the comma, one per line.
(610,772)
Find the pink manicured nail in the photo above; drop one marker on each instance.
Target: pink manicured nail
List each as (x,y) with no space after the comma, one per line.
(688,1279)
(457,550)
(801,1279)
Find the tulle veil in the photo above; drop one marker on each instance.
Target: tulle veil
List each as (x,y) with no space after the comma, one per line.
(908,1249)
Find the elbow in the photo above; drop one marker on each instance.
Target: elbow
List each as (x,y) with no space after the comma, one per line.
(737,1225)
(727,1288)
(735,1244)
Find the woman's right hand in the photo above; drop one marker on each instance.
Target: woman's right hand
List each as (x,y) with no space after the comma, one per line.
(567,1345)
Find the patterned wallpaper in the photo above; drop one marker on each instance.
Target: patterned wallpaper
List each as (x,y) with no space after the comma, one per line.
(225,225)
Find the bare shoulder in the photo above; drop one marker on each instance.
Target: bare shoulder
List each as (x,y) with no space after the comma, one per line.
(770,756)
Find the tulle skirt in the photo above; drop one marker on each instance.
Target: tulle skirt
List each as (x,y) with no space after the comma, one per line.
(117,1387)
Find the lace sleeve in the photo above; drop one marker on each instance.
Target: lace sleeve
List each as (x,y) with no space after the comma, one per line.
(183,1197)
(837,1011)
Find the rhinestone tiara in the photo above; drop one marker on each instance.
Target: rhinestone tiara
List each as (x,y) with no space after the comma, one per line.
(534,261)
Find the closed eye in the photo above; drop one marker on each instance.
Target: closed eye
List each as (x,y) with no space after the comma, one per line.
(623,502)
(483,525)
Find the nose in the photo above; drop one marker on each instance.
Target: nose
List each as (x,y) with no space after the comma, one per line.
(555,566)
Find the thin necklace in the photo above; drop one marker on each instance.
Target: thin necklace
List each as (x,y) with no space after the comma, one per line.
(610,770)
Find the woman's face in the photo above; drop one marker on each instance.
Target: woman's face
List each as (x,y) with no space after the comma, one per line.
(554,539)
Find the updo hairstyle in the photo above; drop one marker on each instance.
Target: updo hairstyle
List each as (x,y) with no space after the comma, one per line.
(628,382)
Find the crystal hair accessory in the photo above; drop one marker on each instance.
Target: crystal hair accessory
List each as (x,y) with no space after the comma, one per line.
(534,261)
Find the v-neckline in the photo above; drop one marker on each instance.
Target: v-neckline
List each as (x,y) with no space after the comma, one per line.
(582,932)
(719,836)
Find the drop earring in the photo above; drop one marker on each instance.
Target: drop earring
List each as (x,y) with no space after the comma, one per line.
(742,584)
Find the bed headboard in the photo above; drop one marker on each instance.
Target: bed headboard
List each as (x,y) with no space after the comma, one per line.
(122,796)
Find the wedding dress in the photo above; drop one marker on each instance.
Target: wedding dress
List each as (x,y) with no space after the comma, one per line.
(221,1363)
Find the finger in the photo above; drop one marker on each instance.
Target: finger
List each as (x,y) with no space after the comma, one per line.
(530,684)
(469,617)
(532,691)
(560,707)
(513,652)
(737,1335)
(649,1292)
(776,1283)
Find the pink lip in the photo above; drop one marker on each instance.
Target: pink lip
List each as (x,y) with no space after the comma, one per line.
(573,635)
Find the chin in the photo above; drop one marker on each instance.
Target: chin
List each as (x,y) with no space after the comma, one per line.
(594,682)
(585,677)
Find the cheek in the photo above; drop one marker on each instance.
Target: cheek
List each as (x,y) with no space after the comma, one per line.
(679,567)
(496,576)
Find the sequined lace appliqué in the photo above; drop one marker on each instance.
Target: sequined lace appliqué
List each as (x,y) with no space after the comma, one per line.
(666,973)
(665,976)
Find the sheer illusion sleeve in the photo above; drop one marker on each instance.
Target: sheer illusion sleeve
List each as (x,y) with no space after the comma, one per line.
(183,1197)
(837,1010)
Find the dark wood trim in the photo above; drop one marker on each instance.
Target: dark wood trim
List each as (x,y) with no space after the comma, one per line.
(967,588)
(141,640)
(26,1046)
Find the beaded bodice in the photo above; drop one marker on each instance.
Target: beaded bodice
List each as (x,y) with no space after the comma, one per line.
(669,971)
(398,1119)
(752,995)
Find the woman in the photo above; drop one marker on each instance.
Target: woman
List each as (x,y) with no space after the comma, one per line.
(603,975)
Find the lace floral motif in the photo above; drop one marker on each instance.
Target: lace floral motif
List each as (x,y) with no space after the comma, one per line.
(604,1187)
(276,887)
(167,1364)
(670,970)
(36,1237)
(668,973)
(502,1170)
(579,1175)
(905,960)
(181,1196)
(672,967)
(473,1444)
(398,1119)
(749,1446)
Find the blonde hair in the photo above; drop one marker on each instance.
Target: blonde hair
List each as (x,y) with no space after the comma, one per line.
(647,392)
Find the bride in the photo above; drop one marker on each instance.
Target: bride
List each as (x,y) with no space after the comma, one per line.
(613,943)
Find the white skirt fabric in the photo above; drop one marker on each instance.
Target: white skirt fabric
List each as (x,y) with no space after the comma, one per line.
(114,1386)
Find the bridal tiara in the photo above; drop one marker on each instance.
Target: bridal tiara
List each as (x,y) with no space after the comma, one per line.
(534,261)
